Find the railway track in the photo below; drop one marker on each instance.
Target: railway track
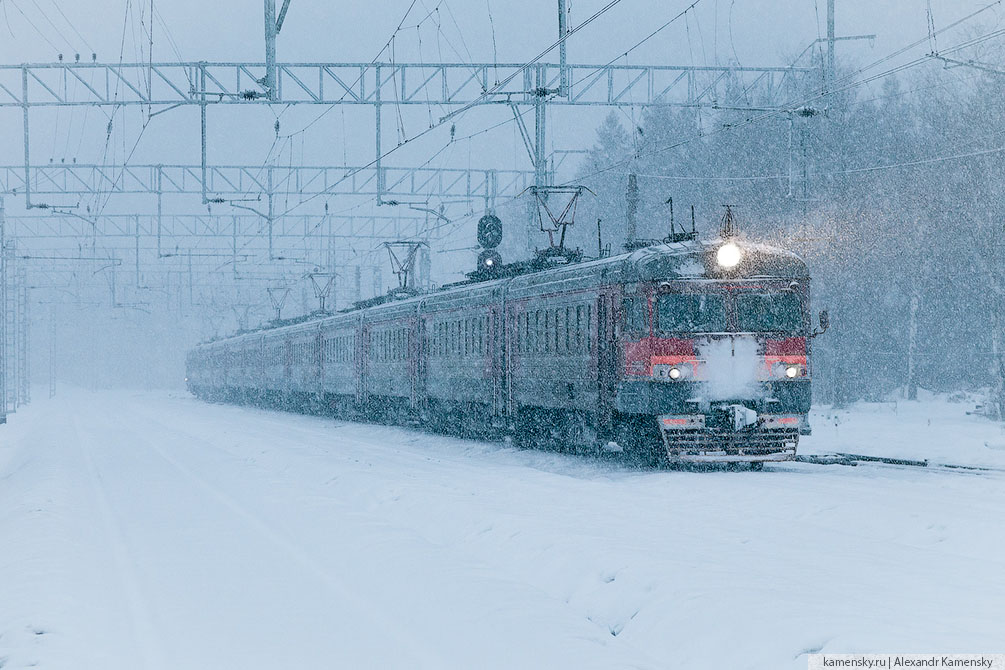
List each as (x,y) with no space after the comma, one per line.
(841,458)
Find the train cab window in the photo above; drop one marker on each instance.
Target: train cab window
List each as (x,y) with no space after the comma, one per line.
(634,315)
(758,312)
(691,313)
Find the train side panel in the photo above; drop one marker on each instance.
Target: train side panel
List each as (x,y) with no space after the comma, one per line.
(460,359)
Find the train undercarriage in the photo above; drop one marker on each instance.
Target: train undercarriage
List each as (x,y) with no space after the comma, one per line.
(647,440)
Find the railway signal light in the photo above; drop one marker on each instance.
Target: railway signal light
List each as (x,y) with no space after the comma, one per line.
(489,261)
(489,231)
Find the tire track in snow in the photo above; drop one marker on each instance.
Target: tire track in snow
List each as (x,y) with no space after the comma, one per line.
(146,641)
(491,563)
(389,627)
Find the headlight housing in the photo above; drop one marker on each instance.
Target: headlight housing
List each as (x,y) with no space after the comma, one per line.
(674,372)
(782,370)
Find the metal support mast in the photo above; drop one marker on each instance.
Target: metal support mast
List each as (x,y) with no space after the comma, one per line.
(269,83)
(52,350)
(23,375)
(563,30)
(3,318)
(830,42)
(10,340)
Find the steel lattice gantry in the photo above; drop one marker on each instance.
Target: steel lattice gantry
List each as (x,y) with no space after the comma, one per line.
(441,84)
(452,87)
(168,226)
(241,181)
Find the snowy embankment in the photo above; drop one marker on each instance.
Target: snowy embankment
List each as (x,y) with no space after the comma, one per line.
(150,531)
(931,428)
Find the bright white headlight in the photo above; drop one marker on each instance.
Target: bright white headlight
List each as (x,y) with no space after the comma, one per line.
(792,371)
(728,255)
(674,373)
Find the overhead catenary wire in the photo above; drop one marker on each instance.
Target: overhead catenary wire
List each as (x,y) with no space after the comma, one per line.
(510,121)
(846,83)
(638,44)
(849,81)
(32,24)
(285,138)
(481,98)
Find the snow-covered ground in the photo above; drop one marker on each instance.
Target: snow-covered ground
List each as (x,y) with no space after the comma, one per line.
(142,530)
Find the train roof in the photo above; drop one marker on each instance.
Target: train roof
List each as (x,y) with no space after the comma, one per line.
(686,260)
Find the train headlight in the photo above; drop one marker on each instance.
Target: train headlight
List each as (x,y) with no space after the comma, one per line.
(728,255)
(783,370)
(673,371)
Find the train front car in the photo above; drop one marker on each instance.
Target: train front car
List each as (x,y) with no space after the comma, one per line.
(715,342)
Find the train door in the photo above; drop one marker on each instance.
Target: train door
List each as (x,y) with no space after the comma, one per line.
(495,357)
(362,356)
(417,347)
(607,359)
(319,370)
(509,354)
(260,380)
(287,384)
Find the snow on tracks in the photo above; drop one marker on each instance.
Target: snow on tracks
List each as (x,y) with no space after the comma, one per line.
(263,539)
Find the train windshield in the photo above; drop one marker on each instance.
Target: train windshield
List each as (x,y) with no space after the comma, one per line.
(691,313)
(758,312)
